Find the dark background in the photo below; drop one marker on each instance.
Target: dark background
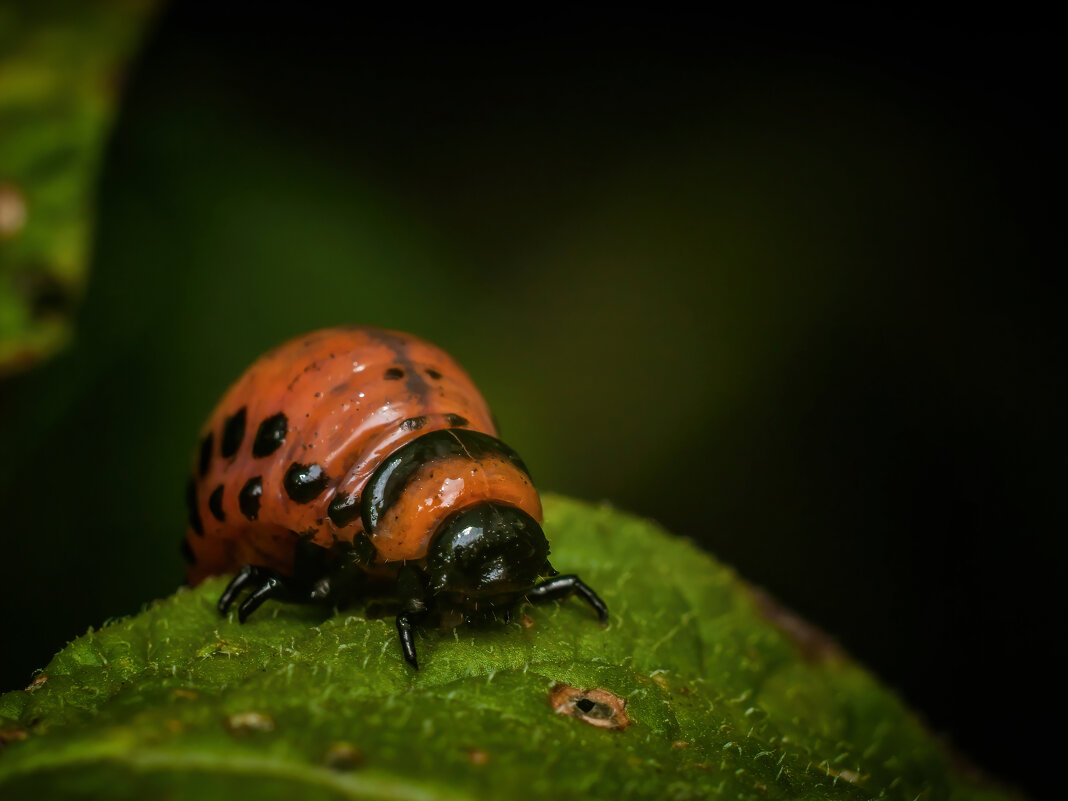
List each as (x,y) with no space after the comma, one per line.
(787,286)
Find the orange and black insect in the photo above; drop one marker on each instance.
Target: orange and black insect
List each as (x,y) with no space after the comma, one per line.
(355,460)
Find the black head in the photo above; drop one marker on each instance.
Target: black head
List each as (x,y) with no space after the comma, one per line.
(487,556)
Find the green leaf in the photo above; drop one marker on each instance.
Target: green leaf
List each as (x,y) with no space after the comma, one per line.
(60,76)
(726,696)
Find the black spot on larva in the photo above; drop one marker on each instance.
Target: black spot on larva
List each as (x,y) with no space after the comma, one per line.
(455,420)
(215,503)
(249,497)
(304,482)
(233,433)
(270,435)
(195,522)
(206,446)
(187,552)
(394,374)
(413,423)
(430,371)
(344,509)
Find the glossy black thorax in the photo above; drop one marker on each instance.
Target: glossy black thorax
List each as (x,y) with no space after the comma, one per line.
(389,480)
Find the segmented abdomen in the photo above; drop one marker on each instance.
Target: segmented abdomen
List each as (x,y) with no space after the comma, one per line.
(287,451)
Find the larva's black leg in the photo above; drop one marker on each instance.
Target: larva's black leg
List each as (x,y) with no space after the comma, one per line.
(411,587)
(273,587)
(406,629)
(247,576)
(266,583)
(563,586)
(318,578)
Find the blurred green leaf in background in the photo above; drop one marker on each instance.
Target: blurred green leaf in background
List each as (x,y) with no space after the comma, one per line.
(62,66)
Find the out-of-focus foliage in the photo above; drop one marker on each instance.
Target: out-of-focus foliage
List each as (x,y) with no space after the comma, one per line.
(62,65)
(726,696)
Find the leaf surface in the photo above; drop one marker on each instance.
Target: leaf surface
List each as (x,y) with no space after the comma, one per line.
(726,696)
(61,70)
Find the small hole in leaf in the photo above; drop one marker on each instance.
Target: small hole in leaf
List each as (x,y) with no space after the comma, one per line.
(600,708)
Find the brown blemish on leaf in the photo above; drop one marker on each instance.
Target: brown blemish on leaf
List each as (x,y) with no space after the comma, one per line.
(680,744)
(343,756)
(12,211)
(184,694)
(174,726)
(11,735)
(243,723)
(526,621)
(37,683)
(599,708)
(814,644)
(476,756)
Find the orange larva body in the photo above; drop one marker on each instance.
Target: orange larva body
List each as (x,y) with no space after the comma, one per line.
(289,449)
